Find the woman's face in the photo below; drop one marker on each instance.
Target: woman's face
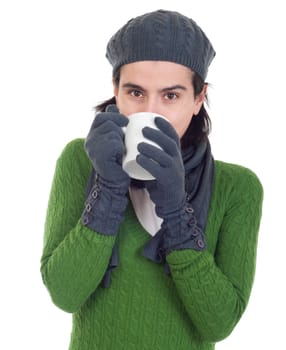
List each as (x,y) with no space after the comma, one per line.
(159,87)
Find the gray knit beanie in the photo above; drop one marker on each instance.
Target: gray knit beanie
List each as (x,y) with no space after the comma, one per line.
(161,36)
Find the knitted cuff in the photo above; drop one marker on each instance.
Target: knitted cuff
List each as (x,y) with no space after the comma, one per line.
(104,210)
(182,231)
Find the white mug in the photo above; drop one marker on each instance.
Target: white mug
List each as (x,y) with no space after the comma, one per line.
(134,136)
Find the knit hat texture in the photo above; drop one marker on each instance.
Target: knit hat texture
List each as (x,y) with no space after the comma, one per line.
(161,36)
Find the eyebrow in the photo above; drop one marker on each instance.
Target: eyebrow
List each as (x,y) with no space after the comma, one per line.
(174,87)
(169,88)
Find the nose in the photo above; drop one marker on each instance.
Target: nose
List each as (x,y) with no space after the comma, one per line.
(151,105)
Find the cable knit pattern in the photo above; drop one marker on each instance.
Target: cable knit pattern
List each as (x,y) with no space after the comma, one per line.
(161,36)
(198,304)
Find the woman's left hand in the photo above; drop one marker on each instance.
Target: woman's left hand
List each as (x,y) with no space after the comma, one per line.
(167,191)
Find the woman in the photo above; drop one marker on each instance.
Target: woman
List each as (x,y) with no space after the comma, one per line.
(185,282)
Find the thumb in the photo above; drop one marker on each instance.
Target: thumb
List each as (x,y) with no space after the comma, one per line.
(112,108)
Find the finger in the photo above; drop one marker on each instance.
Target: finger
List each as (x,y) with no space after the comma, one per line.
(106,131)
(148,164)
(168,144)
(110,144)
(109,126)
(112,108)
(117,118)
(155,154)
(167,128)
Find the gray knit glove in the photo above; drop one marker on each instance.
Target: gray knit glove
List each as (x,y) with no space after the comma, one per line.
(167,191)
(107,201)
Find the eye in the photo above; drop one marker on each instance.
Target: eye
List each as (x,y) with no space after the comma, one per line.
(171,96)
(135,93)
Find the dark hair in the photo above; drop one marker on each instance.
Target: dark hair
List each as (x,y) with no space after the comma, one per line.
(200,125)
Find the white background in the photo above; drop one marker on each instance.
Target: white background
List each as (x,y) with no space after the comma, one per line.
(53,71)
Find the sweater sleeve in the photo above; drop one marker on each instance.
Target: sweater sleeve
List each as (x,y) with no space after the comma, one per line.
(215,289)
(74,257)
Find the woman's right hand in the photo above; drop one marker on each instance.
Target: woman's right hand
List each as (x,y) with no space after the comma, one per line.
(105,147)
(107,200)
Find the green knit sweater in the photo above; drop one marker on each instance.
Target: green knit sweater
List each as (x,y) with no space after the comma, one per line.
(198,304)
